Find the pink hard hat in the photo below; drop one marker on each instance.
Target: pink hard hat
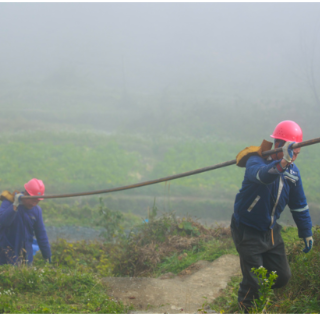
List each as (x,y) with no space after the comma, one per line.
(288,131)
(35,187)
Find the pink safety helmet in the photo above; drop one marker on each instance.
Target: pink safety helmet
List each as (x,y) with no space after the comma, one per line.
(35,187)
(288,131)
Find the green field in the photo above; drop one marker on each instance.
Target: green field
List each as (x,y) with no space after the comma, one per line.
(84,161)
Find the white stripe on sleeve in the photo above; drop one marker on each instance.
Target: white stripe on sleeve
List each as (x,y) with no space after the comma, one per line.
(302,209)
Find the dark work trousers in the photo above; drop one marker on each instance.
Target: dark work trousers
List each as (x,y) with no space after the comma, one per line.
(256,249)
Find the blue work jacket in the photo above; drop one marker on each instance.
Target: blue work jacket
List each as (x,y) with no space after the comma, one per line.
(266,191)
(17,229)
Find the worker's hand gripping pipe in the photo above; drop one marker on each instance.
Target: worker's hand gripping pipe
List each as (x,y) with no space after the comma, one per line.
(176,176)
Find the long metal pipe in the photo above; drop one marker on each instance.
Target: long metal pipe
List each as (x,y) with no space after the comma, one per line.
(175,176)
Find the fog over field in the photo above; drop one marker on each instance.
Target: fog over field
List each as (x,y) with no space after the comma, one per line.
(167,88)
(198,49)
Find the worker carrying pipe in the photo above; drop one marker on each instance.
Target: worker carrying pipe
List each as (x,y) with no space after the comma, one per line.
(20,219)
(268,186)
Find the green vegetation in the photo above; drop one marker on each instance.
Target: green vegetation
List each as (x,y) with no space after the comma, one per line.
(53,290)
(57,215)
(164,244)
(64,164)
(300,296)
(208,251)
(78,162)
(72,283)
(266,281)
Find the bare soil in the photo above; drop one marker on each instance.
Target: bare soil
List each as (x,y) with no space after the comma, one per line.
(186,292)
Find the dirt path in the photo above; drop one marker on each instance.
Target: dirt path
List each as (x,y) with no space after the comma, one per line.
(184,293)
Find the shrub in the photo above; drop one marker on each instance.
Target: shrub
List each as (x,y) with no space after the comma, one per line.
(52,289)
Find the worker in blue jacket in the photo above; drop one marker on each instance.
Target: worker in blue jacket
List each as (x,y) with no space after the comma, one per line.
(268,186)
(20,220)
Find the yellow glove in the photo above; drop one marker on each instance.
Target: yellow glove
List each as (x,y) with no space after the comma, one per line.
(244,155)
(8,195)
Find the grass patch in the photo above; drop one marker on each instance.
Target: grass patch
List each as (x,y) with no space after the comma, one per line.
(82,215)
(227,302)
(208,251)
(49,289)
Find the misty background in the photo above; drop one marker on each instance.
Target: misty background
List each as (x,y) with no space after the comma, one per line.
(147,90)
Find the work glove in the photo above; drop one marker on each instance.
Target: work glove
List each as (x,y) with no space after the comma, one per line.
(288,151)
(309,243)
(17,200)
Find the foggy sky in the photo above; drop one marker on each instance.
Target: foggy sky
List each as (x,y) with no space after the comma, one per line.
(150,46)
